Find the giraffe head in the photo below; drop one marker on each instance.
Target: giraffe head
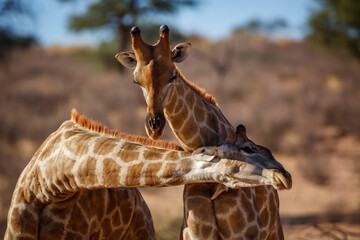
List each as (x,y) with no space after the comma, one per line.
(154,72)
(258,162)
(263,157)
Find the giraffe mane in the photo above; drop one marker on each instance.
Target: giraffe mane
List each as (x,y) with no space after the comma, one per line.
(198,90)
(95,126)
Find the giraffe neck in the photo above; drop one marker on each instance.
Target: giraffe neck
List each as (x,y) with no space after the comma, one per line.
(86,160)
(195,120)
(75,158)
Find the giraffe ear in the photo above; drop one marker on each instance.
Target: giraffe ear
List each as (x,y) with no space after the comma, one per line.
(127,59)
(206,154)
(241,131)
(180,52)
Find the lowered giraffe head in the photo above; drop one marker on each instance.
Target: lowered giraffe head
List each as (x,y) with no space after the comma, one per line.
(262,161)
(263,157)
(154,72)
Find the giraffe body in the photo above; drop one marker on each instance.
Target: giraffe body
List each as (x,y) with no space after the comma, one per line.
(46,205)
(196,120)
(73,186)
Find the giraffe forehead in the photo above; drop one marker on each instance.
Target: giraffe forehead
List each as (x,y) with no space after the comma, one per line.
(155,74)
(154,65)
(162,52)
(157,52)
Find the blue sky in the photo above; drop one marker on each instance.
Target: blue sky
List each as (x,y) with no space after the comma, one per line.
(214,19)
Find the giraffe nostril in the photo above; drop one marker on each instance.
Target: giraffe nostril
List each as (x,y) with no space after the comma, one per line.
(150,123)
(157,122)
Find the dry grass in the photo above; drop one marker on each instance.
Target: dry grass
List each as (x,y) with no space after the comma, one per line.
(292,99)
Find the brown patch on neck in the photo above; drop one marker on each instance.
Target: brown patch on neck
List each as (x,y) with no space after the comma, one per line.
(201,92)
(92,125)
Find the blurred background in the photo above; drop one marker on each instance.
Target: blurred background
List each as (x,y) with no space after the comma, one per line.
(288,70)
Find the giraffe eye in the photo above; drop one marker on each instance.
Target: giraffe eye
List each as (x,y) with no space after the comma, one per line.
(173,78)
(248,150)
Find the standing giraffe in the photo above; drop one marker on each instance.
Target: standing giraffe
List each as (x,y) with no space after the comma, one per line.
(196,120)
(70,188)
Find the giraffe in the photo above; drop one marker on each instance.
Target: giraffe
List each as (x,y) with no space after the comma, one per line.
(73,187)
(196,120)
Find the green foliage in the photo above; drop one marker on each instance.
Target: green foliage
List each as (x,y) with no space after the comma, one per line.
(336,25)
(256,26)
(12,12)
(8,41)
(117,13)
(95,17)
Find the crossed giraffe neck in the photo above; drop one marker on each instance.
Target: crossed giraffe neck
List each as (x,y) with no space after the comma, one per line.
(196,120)
(72,187)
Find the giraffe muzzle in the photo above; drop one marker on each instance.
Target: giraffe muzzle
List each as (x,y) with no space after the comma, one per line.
(282,179)
(155,125)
